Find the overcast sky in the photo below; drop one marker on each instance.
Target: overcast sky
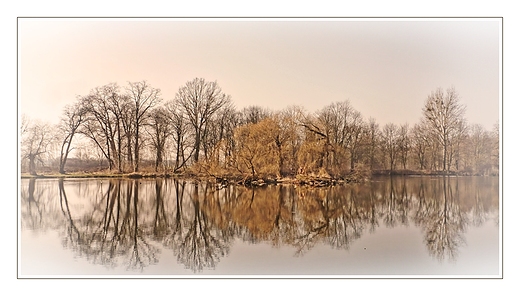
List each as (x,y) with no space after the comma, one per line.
(385,67)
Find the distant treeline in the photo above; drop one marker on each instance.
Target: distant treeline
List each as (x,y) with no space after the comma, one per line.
(199,131)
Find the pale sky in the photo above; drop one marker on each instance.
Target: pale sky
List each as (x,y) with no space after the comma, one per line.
(386,67)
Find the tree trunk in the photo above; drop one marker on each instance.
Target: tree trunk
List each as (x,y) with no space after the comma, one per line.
(197,145)
(32,164)
(64,155)
(136,149)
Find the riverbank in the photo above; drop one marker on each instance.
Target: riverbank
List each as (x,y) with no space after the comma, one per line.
(220,181)
(248,181)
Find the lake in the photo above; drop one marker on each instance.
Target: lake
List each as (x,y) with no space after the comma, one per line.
(397,227)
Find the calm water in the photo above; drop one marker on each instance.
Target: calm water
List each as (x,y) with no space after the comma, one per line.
(395,227)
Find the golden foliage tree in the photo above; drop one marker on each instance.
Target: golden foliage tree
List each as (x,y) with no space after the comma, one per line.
(256,152)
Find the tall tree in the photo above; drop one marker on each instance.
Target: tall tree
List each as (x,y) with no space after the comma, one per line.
(460,135)
(390,143)
(120,106)
(219,143)
(372,139)
(200,100)
(317,145)
(289,120)
(179,127)
(284,133)
(419,143)
(73,117)
(403,144)
(144,97)
(101,124)
(444,113)
(159,130)
(356,129)
(343,128)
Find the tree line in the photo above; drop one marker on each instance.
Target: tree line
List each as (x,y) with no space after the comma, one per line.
(132,129)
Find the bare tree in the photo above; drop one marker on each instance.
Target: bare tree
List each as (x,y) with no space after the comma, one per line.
(220,143)
(253,114)
(179,127)
(200,100)
(36,138)
(342,127)
(144,97)
(403,143)
(120,106)
(284,134)
(372,138)
(159,131)
(457,140)
(356,128)
(482,150)
(444,112)
(101,124)
(289,120)
(73,117)
(419,143)
(390,143)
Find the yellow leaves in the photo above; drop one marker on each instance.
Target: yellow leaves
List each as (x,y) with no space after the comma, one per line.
(256,151)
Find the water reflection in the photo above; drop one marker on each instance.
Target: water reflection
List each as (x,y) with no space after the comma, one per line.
(121,222)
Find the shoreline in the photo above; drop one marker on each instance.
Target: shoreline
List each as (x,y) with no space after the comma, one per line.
(248,181)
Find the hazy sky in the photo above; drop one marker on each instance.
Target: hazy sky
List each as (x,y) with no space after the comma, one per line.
(419,80)
(385,67)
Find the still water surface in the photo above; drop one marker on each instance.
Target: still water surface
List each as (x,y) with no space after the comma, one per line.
(396,227)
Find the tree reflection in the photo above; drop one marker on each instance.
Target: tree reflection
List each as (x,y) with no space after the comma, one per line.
(39,206)
(125,222)
(160,221)
(262,214)
(283,223)
(32,212)
(396,205)
(110,230)
(72,235)
(334,216)
(195,241)
(445,223)
(350,219)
